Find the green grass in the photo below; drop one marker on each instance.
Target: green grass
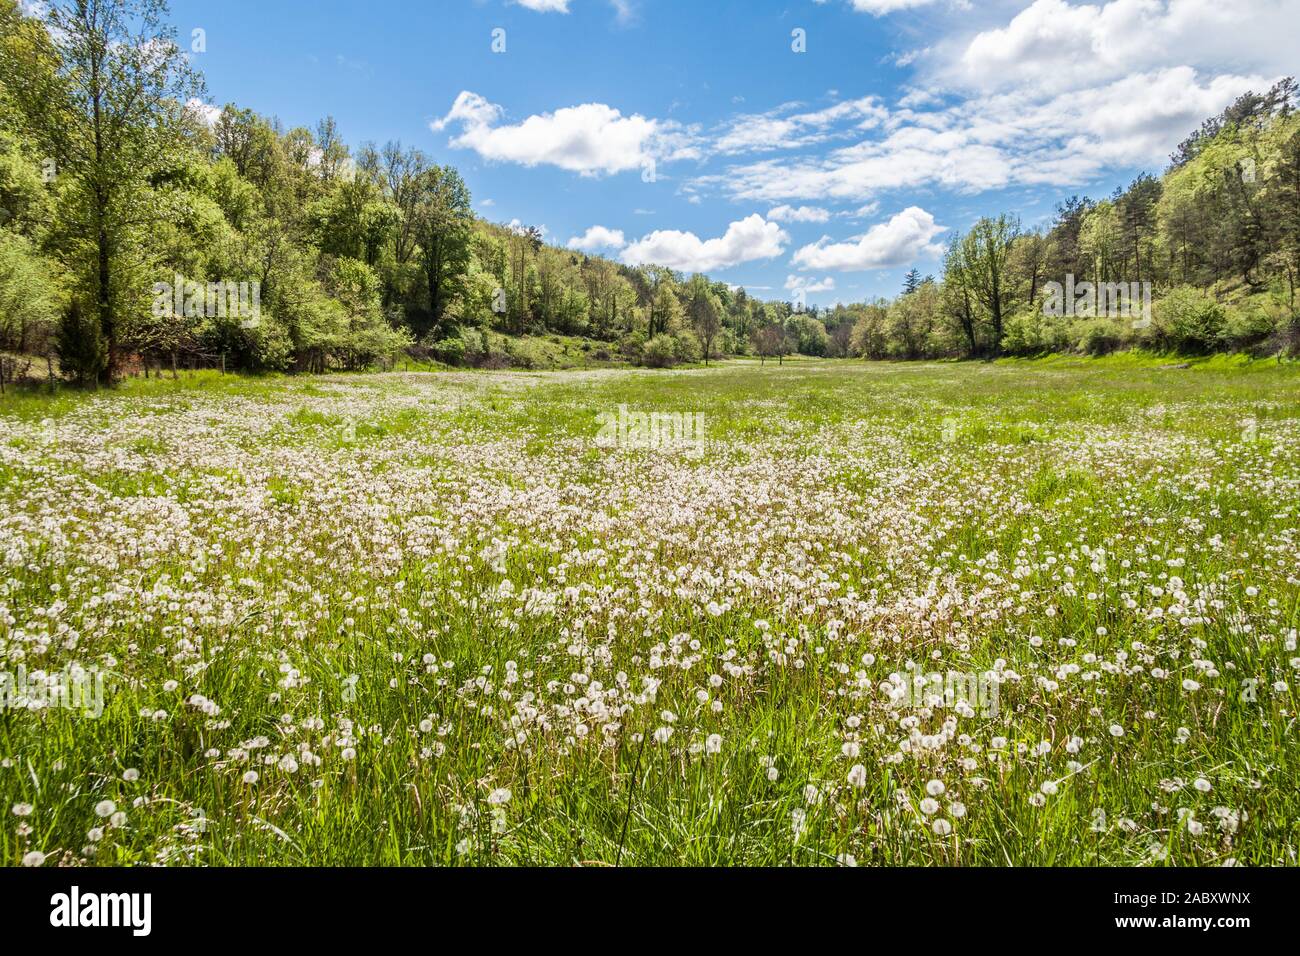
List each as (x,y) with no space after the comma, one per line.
(402,594)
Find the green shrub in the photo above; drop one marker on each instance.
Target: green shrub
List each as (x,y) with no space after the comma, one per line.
(660,352)
(1189,320)
(1100,336)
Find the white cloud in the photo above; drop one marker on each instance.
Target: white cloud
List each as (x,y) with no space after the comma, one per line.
(800,214)
(802,284)
(863,211)
(598,237)
(1055,45)
(589,139)
(206,112)
(519,227)
(906,237)
(744,241)
(1059,93)
(1003,139)
(757,132)
(878,8)
(545,6)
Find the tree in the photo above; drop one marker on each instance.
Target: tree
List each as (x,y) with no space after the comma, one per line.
(959,294)
(110,117)
(986,250)
(705,312)
(1283,198)
(82,351)
(442,230)
(911,281)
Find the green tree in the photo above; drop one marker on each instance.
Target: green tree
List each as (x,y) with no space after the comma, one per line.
(442,230)
(110,117)
(985,251)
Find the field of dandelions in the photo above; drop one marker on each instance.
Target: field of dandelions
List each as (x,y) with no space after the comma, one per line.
(430,619)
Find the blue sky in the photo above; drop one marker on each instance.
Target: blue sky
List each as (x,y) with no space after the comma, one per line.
(693,134)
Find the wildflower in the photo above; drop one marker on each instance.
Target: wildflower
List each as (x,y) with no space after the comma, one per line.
(34,858)
(105,808)
(941,827)
(713,744)
(22,809)
(250,777)
(498,797)
(935,788)
(858,776)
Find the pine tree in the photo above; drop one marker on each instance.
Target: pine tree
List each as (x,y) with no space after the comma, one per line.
(912,281)
(79,342)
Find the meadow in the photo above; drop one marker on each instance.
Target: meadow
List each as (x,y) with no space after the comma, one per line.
(881,614)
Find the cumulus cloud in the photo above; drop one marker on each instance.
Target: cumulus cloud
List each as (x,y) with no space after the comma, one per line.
(589,139)
(905,238)
(800,214)
(746,240)
(598,237)
(1057,45)
(1059,93)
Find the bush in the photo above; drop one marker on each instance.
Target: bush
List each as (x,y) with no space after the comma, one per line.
(1189,320)
(1033,333)
(452,350)
(1100,336)
(687,346)
(1249,325)
(660,352)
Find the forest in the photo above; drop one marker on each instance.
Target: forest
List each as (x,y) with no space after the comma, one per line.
(131,211)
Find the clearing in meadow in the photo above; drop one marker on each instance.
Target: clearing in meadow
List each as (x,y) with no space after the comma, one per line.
(1029,613)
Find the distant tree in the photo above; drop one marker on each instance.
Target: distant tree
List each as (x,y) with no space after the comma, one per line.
(441,210)
(705,312)
(1249,109)
(1283,198)
(986,250)
(912,281)
(959,294)
(770,341)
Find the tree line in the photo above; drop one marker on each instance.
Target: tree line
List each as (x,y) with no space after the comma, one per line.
(129,212)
